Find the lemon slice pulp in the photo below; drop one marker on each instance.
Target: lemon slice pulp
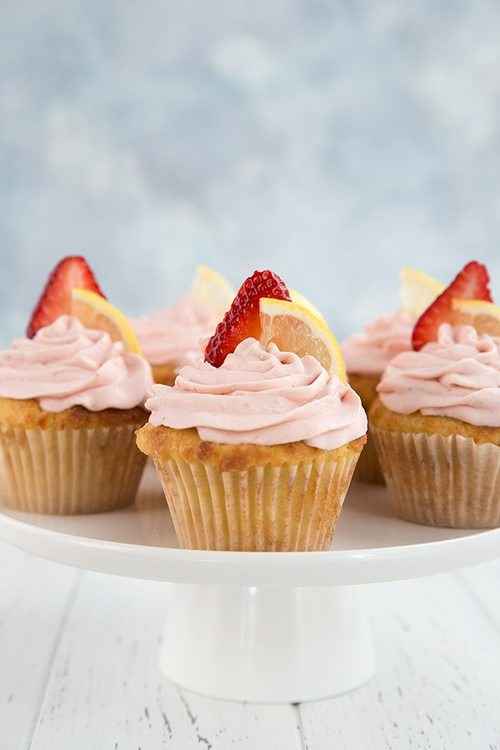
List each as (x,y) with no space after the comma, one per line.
(483,316)
(294,328)
(97,313)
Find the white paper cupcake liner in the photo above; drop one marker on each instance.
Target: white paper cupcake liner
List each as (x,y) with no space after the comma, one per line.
(69,471)
(441,481)
(272,508)
(368,468)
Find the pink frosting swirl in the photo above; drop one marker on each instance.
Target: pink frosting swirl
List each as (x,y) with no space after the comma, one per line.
(67,365)
(457,376)
(263,397)
(370,352)
(176,333)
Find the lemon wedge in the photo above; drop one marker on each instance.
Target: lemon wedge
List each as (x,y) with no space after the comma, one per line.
(295,328)
(304,302)
(483,316)
(212,290)
(97,313)
(418,290)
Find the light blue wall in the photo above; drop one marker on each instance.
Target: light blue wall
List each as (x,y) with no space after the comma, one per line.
(330,141)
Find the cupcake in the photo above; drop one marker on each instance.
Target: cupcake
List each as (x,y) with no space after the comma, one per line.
(255,446)
(436,421)
(173,337)
(367,354)
(71,400)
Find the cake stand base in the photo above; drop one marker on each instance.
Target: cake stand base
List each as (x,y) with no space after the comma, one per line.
(257,626)
(266,644)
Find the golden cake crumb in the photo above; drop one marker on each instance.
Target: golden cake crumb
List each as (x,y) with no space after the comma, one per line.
(164,374)
(27,413)
(385,419)
(365,386)
(165,442)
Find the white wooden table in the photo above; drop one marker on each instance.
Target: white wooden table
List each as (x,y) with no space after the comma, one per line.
(78,671)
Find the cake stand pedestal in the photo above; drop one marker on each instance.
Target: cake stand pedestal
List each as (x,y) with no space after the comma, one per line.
(266,644)
(257,626)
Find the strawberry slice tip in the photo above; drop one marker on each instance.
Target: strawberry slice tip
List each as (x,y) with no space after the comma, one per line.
(72,272)
(471,283)
(242,320)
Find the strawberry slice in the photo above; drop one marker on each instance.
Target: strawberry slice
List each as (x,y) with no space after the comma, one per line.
(242,320)
(72,272)
(471,283)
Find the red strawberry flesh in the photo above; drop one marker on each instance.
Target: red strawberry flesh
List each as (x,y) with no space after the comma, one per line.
(242,320)
(471,283)
(72,272)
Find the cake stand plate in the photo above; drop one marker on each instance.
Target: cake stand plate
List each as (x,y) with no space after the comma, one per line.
(257,626)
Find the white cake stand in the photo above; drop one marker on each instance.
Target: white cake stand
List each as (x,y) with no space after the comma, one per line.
(257,626)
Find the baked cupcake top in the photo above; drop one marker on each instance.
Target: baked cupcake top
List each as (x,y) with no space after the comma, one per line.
(456,376)
(369,352)
(175,334)
(261,396)
(67,365)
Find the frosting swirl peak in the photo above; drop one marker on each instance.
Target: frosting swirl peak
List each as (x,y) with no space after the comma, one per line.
(370,352)
(263,397)
(175,333)
(67,365)
(457,376)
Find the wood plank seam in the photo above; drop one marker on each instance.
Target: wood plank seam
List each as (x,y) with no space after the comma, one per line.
(483,608)
(201,739)
(297,707)
(70,602)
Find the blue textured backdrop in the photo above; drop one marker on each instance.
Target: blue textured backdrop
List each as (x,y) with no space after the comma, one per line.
(331,141)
